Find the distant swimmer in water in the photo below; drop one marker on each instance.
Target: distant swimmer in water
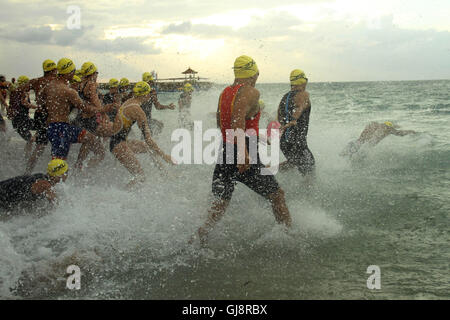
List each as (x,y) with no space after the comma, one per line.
(372,134)
(27,189)
(122,148)
(239,109)
(156,126)
(293,115)
(59,98)
(184,105)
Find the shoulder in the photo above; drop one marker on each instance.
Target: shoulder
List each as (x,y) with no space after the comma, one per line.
(40,186)
(132,108)
(304,95)
(249,92)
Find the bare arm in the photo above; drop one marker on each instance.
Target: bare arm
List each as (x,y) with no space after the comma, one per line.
(25,101)
(138,114)
(160,106)
(76,101)
(247,97)
(43,187)
(3,101)
(94,99)
(301,103)
(401,132)
(115,105)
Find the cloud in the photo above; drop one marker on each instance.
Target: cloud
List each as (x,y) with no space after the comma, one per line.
(119,45)
(178,28)
(86,38)
(331,48)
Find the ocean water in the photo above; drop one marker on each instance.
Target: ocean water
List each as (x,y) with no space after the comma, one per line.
(387,207)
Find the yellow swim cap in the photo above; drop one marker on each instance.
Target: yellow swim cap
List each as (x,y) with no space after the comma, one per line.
(78,73)
(141,88)
(389,124)
(22,80)
(65,66)
(147,76)
(188,87)
(262,105)
(57,167)
(88,68)
(48,65)
(245,67)
(124,82)
(75,79)
(298,77)
(113,83)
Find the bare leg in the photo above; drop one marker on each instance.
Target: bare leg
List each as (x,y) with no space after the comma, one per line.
(126,157)
(99,151)
(280,210)
(215,213)
(90,143)
(37,153)
(28,148)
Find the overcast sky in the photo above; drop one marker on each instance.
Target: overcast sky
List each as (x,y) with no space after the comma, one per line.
(341,40)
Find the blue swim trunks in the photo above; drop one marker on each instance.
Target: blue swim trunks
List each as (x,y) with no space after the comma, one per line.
(61,135)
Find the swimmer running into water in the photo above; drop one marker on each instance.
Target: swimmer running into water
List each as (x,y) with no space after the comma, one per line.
(156,126)
(59,98)
(124,150)
(40,115)
(239,109)
(372,134)
(293,114)
(184,104)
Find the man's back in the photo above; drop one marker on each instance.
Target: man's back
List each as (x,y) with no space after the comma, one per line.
(57,97)
(18,189)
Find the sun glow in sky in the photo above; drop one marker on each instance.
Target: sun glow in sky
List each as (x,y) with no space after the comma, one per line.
(382,40)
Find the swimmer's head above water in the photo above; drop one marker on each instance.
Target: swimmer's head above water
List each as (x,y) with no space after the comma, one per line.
(297,77)
(66,69)
(57,170)
(49,66)
(142,89)
(391,124)
(245,68)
